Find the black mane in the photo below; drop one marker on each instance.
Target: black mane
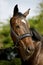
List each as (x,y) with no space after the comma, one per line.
(36,36)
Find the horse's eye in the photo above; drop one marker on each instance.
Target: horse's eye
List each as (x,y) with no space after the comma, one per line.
(17,26)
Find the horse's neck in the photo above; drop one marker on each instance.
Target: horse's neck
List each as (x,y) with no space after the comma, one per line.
(34,60)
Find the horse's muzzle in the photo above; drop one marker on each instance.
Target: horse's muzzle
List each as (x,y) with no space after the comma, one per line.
(30,50)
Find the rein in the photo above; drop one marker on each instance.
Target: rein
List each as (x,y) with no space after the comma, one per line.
(18,38)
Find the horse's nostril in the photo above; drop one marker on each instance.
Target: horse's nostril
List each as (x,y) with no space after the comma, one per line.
(30,48)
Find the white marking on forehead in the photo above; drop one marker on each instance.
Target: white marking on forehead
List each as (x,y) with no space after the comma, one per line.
(23,21)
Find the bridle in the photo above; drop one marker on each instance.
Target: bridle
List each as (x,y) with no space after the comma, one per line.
(18,38)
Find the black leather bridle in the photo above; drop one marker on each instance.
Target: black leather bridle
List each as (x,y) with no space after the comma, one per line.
(18,38)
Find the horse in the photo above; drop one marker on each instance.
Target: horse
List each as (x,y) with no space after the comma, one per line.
(23,38)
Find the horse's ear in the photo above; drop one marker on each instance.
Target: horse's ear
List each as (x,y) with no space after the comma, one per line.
(27,12)
(15,10)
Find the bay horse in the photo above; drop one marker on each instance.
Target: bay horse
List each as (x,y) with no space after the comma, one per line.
(28,48)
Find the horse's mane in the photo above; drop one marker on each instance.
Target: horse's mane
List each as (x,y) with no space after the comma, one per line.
(36,36)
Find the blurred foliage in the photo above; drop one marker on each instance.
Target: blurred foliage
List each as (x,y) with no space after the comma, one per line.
(37,21)
(15,61)
(5,39)
(5,36)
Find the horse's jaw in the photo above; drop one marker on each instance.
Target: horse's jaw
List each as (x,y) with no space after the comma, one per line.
(24,54)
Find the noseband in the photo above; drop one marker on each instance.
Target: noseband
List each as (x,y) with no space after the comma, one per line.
(18,38)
